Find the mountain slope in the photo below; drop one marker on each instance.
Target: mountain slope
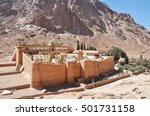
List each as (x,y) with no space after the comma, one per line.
(38,21)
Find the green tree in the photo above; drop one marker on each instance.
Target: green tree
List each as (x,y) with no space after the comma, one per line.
(82,46)
(118,53)
(114,52)
(78,45)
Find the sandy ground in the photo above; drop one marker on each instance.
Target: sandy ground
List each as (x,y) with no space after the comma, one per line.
(135,87)
(7,69)
(5,59)
(12,80)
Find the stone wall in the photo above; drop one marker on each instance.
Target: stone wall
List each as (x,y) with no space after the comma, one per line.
(73,71)
(46,74)
(27,64)
(52,74)
(106,65)
(91,68)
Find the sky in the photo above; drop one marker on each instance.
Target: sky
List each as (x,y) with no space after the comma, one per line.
(138,9)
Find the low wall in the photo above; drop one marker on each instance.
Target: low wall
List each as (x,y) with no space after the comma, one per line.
(7,64)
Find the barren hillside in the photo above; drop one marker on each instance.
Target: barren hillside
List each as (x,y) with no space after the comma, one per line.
(38,21)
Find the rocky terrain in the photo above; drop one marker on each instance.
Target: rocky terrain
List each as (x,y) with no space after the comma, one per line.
(65,21)
(135,87)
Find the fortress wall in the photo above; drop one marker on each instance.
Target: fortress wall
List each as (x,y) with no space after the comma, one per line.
(35,80)
(77,70)
(51,74)
(82,69)
(106,65)
(45,74)
(27,64)
(70,72)
(89,69)
(73,71)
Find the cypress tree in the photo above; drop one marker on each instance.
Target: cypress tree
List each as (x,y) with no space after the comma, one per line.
(82,46)
(78,45)
(91,47)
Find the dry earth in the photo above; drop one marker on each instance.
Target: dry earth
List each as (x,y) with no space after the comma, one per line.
(135,87)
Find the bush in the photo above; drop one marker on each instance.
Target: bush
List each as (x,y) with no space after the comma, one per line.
(139,67)
(145,63)
(132,68)
(127,67)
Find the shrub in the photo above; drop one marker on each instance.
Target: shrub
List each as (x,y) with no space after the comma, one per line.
(127,67)
(132,68)
(145,63)
(139,67)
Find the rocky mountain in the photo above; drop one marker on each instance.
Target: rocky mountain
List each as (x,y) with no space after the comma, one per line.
(91,21)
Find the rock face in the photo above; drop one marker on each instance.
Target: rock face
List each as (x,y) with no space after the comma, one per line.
(88,20)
